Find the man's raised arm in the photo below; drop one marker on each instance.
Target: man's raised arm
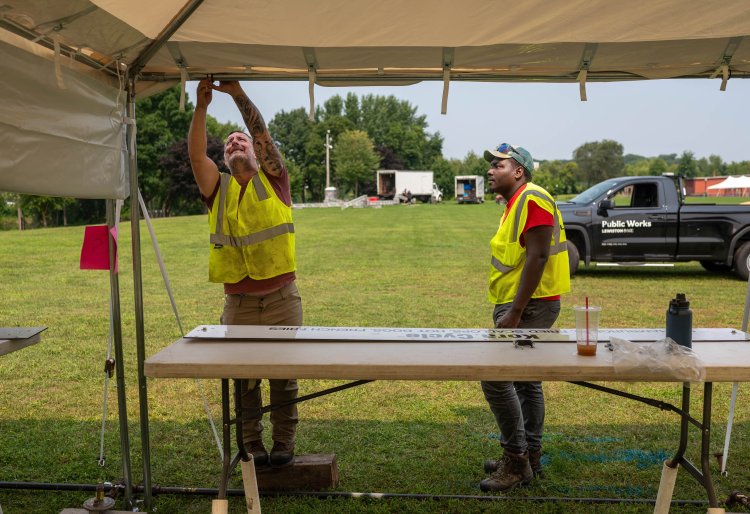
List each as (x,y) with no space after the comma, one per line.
(265,149)
(204,169)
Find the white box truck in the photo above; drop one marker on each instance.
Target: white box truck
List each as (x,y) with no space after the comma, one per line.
(469,188)
(402,186)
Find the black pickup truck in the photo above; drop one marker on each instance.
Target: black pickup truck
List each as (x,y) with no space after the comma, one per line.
(645,219)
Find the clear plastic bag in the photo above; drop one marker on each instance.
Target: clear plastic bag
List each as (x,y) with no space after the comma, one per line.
(661,356)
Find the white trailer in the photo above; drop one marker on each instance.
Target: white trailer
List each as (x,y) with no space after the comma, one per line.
(395,184)
(469,188)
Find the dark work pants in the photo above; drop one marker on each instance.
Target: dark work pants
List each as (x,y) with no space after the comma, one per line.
(519,406)
(282,307)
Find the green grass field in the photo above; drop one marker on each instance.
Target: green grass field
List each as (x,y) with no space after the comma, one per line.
(409,266)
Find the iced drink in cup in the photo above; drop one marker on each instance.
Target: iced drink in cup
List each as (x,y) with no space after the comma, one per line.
(587,328)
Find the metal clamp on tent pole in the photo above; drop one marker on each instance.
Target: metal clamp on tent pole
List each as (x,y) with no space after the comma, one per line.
(725,75)
(588,55)
(726,59)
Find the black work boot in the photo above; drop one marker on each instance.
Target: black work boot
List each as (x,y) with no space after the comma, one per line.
(535,461)
(513,470)
(282,453)
(258,451)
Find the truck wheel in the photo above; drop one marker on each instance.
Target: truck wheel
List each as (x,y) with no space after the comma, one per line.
(717,266)
(740,260)
(573,257)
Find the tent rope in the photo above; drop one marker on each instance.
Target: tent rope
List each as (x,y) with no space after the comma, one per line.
(109,362)
(168,286)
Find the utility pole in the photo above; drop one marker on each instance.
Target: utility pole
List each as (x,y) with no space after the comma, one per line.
(330,193)
(328,159)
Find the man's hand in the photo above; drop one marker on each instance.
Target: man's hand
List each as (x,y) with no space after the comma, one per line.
(204,94)
(231,87)
(510,319)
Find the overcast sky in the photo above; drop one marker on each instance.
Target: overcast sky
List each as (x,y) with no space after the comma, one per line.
(647,117)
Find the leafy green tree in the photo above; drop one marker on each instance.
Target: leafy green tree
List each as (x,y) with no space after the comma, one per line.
(445,171)
(657,166)
(355,161)
(687,166)
(557,177)
(638,168)
(292,132)
(474,164)
(598,161)
(738,168)
(399,136)
(716,166)
(46,210)
(160,124)
(181,194)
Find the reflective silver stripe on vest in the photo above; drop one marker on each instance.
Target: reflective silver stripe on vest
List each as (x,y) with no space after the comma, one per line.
(259,189)
(219,238)
(555,224)
(499,266)
(257,237)
(225,178)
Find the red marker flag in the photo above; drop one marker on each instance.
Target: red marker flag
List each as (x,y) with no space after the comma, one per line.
(95,249)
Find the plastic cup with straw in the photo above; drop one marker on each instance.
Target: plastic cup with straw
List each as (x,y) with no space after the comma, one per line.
(587,328)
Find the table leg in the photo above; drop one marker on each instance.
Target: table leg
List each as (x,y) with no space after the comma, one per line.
(226,421)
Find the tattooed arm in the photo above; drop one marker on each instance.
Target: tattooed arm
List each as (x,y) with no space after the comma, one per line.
(265,149)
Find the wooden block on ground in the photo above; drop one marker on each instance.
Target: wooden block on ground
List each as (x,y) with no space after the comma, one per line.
(308,472)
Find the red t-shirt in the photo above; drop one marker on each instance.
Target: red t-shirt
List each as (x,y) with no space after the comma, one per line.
(535,217)
(264,286)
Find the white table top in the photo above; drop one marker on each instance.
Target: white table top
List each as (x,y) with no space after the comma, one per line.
(725,354)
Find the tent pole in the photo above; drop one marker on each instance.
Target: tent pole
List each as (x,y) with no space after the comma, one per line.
(135,217)
(116,320)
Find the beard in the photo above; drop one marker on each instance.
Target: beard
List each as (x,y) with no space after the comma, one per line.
(239,163)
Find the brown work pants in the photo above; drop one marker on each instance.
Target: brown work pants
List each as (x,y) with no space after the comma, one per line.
(282,307)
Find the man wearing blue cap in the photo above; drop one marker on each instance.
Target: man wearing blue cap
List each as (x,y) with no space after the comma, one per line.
(528,273)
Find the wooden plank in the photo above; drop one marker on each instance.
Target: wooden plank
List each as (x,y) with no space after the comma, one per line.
(312,472)
(250,484)
(383,360)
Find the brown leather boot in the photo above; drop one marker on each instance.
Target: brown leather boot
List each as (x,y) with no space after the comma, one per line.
(282,454)
(535,461)
(258,451)
(513,470)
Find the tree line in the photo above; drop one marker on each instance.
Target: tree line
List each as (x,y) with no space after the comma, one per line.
(367,133)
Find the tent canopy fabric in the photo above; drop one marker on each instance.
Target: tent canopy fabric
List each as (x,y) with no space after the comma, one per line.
(349,42)
(325,42)
(732,182)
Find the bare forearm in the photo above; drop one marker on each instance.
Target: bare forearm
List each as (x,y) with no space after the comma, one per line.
(197,142)
(204,169)
(265,149)
(531,275)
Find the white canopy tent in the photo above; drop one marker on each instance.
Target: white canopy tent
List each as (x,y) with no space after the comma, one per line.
(740,183)
(70,45)
(71,69)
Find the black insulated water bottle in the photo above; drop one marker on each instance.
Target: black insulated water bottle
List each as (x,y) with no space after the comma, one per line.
(680,321)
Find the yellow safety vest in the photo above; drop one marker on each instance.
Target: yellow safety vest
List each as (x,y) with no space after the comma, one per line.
(253,238)
(509,257)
